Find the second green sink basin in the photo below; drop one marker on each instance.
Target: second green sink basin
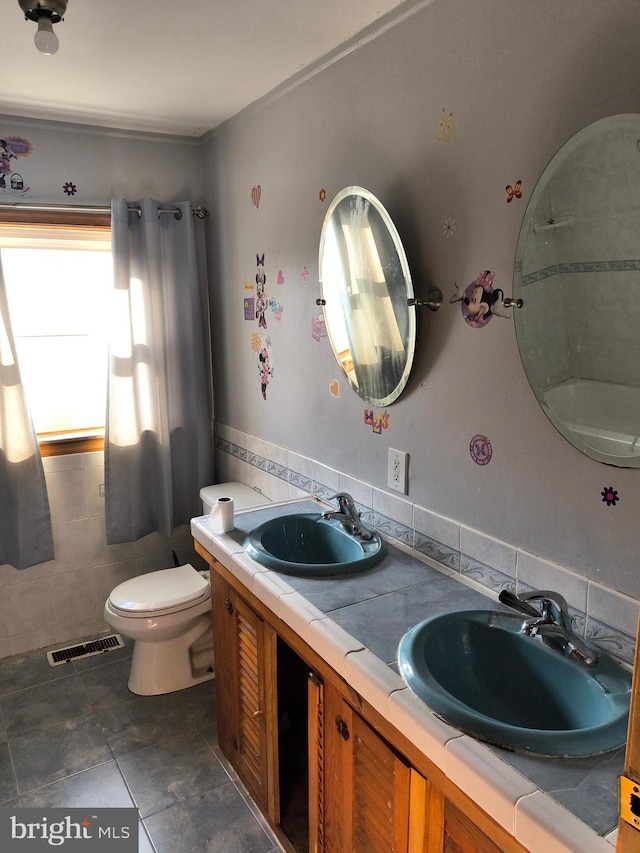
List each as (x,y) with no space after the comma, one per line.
(478,672)
(307,545)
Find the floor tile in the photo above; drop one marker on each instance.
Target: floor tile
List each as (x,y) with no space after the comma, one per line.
(217,821)
(99,787)
(142,721)
(210,734)
(170,772)
(106,685)
(44,704)
(144,843)
(199,703)
(26,670)
(8,785)
(47,755)
(75,736)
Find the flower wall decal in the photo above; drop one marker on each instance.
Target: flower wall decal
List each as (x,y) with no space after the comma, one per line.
(449,228)
(609,496)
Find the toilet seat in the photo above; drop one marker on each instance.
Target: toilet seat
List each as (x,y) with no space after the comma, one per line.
(161,592)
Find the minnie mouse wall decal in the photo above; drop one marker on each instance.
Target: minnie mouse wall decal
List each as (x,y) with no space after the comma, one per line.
(479,301)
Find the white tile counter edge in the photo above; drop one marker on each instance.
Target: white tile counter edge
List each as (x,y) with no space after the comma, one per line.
(536,820)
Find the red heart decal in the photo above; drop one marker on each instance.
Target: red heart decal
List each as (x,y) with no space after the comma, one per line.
(256,192)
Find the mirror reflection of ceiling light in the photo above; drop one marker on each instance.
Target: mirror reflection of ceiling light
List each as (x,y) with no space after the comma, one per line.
(45,13)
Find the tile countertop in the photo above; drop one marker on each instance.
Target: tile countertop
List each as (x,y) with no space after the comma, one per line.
(551,805)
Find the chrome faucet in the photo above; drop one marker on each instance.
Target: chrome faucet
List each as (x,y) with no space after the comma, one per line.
(348,516)
(550,622)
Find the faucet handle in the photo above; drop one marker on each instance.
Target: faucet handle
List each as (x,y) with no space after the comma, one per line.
(514,601)
(344,500)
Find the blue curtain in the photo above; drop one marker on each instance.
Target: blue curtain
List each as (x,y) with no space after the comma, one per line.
(26,538)
(158,438)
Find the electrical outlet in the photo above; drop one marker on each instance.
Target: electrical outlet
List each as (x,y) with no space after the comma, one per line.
(398,470)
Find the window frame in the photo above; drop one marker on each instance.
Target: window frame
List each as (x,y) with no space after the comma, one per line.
(65,442)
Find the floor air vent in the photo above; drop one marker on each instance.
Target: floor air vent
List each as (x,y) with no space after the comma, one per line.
(85,650)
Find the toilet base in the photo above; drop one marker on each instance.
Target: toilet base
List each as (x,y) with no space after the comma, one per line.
(164,667)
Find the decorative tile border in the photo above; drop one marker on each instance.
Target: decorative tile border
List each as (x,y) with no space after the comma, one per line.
(300,481)
(612,640)
(531,570)
(581,266)
(487,576)
(437,551)
(393,529)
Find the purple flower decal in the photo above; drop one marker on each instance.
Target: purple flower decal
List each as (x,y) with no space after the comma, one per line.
(69,188)
(610,496)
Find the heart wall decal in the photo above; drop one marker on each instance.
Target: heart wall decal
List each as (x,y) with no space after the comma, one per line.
(256,194)
(334,388)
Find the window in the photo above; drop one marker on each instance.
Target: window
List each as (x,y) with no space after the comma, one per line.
(58,274)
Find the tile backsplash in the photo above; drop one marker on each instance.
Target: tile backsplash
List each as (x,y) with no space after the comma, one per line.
(63,599)
(599,613)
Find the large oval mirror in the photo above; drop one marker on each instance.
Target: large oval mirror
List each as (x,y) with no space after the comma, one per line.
(577,271)
(366,291)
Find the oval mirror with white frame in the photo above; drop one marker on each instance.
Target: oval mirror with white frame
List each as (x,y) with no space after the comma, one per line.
(577,271)
(367,296)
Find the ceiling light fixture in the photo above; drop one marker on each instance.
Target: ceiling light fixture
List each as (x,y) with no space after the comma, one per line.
(45,13)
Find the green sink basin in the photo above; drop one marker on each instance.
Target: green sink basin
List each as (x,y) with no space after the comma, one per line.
(307,545)
(475,670)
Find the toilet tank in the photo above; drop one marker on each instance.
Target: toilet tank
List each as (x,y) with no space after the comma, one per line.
(243,496)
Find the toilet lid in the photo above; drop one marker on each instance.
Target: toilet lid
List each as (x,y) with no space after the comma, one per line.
(160,590)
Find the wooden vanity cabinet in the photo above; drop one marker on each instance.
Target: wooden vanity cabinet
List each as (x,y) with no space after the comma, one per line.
(363,794)
(246,707)
(460,834)
(370,800)
(363,788)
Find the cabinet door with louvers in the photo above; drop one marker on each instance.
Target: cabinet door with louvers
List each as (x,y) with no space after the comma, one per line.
(243,653)
(366,796)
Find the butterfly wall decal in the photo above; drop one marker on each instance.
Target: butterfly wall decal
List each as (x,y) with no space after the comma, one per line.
(513,192)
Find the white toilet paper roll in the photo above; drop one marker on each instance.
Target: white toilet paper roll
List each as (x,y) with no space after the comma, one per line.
(222,515)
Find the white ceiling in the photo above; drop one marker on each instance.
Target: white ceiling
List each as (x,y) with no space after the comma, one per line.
(173,67)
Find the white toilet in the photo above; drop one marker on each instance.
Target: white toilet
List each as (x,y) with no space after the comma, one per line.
(168,615)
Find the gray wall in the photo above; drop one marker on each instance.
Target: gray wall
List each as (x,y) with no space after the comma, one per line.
(519,78)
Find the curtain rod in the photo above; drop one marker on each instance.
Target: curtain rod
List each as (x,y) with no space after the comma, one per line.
(199,212)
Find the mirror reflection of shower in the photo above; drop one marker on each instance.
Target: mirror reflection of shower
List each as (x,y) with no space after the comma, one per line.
(577,270)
